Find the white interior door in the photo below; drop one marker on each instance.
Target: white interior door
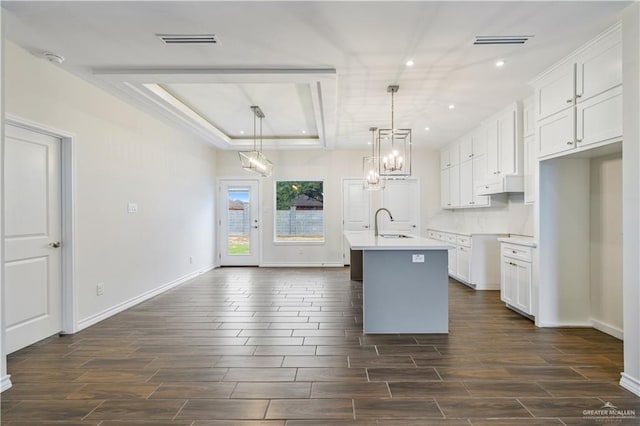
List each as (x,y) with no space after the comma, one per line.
(402,198)
(239,223)
(356,210)
(33,293)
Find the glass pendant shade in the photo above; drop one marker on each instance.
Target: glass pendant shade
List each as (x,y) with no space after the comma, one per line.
(255,161)
(394,148)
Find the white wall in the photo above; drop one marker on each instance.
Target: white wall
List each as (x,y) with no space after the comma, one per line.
(511,217)
(606,243)
(631,196)
(122,156)
(5,382)
(332,167)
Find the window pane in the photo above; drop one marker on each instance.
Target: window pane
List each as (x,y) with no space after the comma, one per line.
(299,211)
(238,221)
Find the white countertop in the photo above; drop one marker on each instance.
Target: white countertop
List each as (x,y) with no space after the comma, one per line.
(519,240)
(367,241)
(467,233)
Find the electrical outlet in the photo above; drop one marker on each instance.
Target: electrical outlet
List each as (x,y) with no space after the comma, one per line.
(132,208)
(100,289)
(190,260)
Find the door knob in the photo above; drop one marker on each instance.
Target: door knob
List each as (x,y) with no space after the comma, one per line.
(55,244)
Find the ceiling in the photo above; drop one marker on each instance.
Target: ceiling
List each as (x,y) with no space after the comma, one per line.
(319,70)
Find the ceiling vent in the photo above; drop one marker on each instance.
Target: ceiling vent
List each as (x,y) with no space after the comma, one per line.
(188,39)
(486,40)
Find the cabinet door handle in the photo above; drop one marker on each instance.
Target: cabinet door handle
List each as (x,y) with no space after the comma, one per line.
(569,101)
(570,143)
(514,252)
(578,96)
(470,155)
(578,140)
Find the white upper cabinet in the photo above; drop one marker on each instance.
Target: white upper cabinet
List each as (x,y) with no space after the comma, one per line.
(556,133)
(466,183)
(445,189)
(466,148)
(504,149)
(479,141)
(450,156)
(599,68)
(528,117)
(508,140)
(590,80)
(556,92)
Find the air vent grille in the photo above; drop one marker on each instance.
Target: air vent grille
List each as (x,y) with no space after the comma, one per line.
(188,38)
(488,40)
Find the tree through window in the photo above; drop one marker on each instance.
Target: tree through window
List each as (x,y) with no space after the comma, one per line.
(299,211)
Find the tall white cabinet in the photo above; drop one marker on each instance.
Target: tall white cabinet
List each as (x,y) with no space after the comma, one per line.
(578,110)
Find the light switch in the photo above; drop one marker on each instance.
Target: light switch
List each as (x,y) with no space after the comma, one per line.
(418,258)
(132,208)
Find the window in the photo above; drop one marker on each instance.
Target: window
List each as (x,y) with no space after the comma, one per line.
(299,211)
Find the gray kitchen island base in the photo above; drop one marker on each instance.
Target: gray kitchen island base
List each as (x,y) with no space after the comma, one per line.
(402,295)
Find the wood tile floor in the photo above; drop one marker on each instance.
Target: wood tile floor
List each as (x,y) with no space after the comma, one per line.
(274,347)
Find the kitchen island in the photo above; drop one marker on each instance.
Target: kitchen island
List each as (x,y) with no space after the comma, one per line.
(405,282)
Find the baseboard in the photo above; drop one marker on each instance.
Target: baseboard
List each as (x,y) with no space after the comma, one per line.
(489,286)
(629,383)
(302,265)
(100,316)
(5,383)
(563,324)
(609,329)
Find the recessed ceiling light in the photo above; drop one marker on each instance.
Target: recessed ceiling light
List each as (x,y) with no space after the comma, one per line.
(426,128)
(242,132)
(452,106)
(499,63)
(410,63)
(304,132)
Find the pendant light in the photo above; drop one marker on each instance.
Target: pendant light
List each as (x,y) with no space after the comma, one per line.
(371,167)
(394,147)
(255,161)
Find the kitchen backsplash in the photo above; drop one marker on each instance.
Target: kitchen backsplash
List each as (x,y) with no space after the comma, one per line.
(514,217)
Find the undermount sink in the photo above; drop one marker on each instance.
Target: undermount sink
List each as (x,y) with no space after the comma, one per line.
(395,236)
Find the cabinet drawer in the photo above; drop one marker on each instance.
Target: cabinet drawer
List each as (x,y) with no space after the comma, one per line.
(489,188)
(515,251)
(464,241)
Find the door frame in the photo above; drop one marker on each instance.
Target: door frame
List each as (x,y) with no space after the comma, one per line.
(67,210)
(220,205)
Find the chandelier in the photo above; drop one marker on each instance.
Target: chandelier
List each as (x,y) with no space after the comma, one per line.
(255,161)
(371,167)
(394,147)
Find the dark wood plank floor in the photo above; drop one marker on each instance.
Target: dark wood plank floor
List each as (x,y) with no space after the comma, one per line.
(249,346)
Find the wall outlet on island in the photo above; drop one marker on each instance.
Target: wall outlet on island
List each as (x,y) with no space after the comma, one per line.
(100,289)
(417,258)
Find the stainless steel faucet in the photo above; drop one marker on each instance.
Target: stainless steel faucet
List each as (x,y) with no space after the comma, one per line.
(376,218)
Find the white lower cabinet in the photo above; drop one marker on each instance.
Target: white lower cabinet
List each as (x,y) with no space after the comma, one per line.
(453,253)
(516,284)
(474,259)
